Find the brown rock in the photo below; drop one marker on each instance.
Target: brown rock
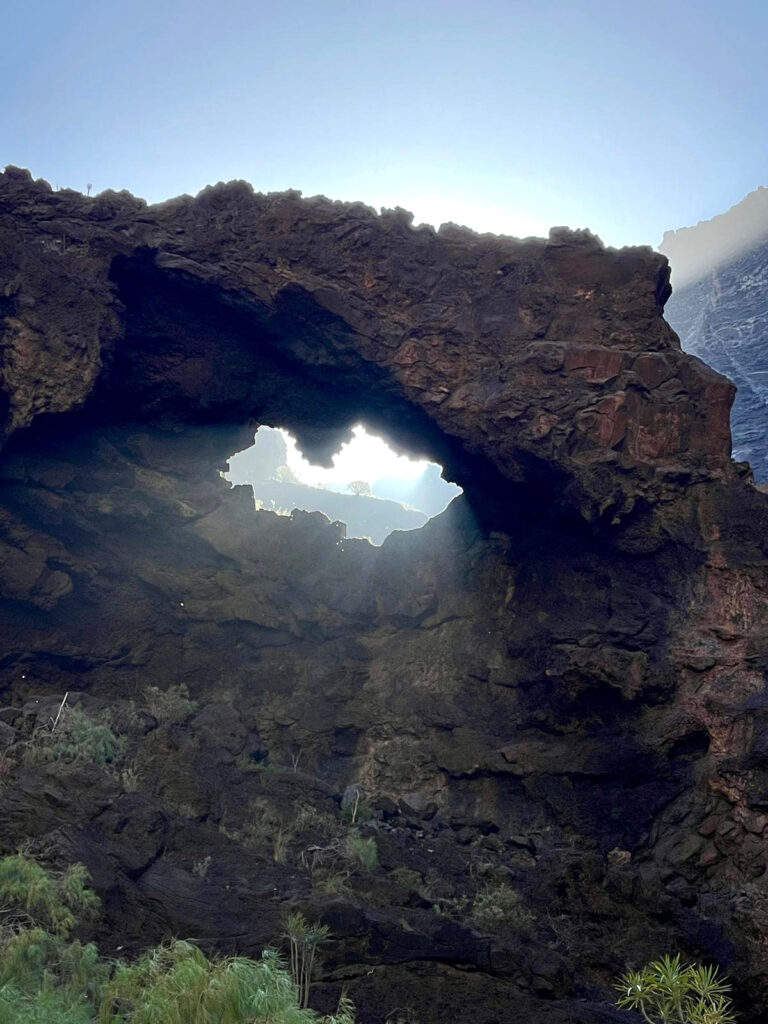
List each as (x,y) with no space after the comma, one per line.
(566,668)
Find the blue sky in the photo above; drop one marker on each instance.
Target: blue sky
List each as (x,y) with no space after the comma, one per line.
(628,118)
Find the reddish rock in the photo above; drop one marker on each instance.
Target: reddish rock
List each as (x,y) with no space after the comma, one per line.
(552,696)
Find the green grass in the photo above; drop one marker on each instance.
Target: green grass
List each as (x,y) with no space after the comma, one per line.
(362,852)
(178,984)
(33,897)
(47,1006)
(76,737)
(46,979)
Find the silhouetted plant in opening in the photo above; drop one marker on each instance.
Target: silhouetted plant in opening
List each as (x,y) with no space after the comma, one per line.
(360,487)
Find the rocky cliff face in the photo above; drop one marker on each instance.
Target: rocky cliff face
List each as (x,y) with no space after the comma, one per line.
(550,699)
(720,310)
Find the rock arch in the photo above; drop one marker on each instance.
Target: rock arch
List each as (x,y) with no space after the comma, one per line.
(561,677)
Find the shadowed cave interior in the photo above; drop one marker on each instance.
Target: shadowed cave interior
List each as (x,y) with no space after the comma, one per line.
(195,354)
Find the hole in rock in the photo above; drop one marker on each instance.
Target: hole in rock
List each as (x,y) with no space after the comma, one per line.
(369,488)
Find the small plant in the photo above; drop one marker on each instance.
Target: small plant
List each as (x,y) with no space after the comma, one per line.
(280,845)
(345,1012)
(31,897)
(354,810)
(200,867)
(6,769)
(169,706)
(668,991)
(362,852)
(178,984)
(498,905)
(332,881)
(303,939)
(75,736)
(308,817)
(130,778)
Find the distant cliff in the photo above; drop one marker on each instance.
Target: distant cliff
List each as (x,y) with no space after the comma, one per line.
(720,310)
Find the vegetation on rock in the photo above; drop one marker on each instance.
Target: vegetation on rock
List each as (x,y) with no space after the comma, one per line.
(170,705)
(304,939)
(668,991)
(31,897)
(75,736)
(45,979)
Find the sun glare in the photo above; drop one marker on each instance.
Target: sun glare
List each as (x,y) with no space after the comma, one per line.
(363,458)
(476,213)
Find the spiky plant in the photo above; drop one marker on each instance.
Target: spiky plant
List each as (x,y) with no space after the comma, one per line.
(177,984)
(33,897)
(345,1012)
(362,851)
(46,1006)
(669,991)
(303,939)
(75,736)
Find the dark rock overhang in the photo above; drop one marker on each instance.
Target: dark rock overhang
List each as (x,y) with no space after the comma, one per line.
(541,364)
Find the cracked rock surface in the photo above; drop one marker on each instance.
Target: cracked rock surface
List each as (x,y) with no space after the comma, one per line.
(550,699)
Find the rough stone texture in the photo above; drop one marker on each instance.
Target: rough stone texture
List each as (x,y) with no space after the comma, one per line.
(720,310)
(552,696)
(518,359)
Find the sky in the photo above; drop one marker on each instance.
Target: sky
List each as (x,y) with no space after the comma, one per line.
(508,116)
(365,457)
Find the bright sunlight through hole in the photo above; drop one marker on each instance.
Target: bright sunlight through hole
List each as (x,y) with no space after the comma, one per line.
(370,488)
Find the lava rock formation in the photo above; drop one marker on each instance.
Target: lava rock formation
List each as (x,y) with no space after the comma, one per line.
(550,699)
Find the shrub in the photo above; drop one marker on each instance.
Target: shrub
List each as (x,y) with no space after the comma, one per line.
(303,939)
(47,1006)
(498,905)
(44,979)
(76,736)
(40,972)
(178,984)
(30,896)
(670,992)
(362,852)
(169,706)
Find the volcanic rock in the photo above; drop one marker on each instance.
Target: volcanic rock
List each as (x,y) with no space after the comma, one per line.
(551,697)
